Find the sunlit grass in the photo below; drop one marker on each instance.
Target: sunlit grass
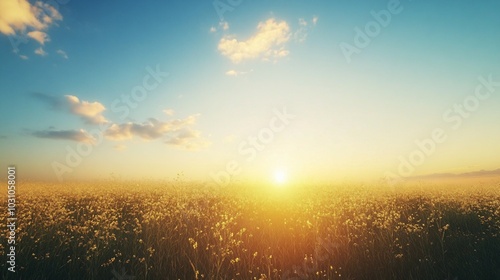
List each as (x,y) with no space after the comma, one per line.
(188,231)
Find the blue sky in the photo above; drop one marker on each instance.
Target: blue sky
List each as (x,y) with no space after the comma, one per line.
(354,117)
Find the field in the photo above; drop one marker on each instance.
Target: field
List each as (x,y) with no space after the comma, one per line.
(175,230)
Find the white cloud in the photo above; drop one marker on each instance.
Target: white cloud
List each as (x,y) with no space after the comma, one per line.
(224,25)
(39,36)
(268,42)
(300,34)
(175,132)
(23,57)
(90,112)
(169,112)
(40,51)
(62,53)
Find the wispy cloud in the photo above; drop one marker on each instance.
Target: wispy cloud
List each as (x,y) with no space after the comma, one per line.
(300,35)
(40,51)
(267,43)
(39,36)
(73,135)
(472,174)
(224,25)
(62,53)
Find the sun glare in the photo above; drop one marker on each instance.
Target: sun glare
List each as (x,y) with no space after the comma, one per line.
(280,177)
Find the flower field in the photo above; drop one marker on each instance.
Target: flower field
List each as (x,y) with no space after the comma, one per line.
(163,230)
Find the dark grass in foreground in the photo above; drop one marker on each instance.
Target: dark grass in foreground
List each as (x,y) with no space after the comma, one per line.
(164,231)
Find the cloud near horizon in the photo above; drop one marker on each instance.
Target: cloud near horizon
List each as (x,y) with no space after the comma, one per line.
(188,139)
(74,135)
(176,132)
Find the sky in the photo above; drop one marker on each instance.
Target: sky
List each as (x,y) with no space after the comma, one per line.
(235,91)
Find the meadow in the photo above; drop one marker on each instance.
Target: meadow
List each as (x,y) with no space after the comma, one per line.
(174,230)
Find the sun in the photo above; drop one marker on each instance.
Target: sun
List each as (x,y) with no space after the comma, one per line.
(280,177)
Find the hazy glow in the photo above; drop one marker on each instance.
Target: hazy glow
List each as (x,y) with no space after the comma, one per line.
(280,177)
